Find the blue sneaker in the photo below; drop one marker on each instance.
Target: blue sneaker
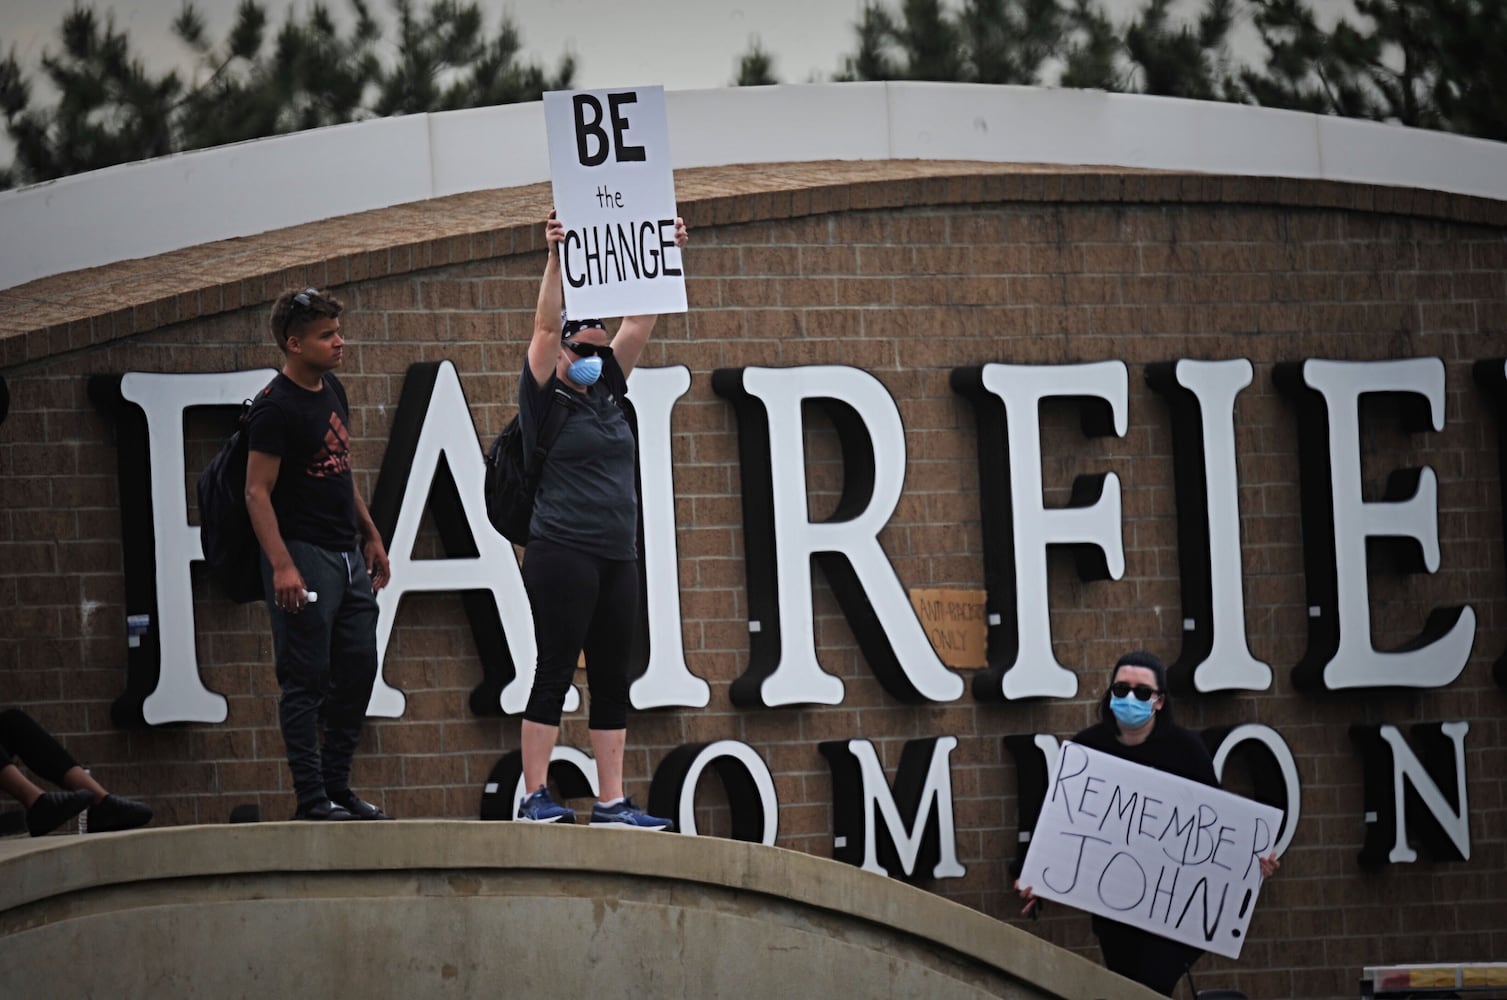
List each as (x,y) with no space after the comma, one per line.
(628,816)
(540,808)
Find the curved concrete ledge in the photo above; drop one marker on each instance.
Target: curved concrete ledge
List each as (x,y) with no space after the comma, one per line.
(157,206)
(446,908)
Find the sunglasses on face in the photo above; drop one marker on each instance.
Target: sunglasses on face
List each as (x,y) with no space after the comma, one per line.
(584,349)
(1143,692)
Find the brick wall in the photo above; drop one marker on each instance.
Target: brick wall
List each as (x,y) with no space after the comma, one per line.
(962,277)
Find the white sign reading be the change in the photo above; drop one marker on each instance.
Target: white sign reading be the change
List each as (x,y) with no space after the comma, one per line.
(614,189)
(1171,856)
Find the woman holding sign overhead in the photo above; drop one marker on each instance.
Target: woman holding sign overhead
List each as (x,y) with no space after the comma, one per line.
(1136,725)
(580,566)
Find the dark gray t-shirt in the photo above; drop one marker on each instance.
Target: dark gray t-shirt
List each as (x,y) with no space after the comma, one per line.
(586,498)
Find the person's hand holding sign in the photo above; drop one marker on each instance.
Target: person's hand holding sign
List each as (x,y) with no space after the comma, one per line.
(1033,903)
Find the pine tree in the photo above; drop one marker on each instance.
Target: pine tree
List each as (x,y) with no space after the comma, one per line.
(110,109)
(1093,50)
(873,60)
(1471,88)
(1181,60)
(314,75)
(314,72)
(444,63)
(987,41)
(1424,63)
(755,67)
(1009,41)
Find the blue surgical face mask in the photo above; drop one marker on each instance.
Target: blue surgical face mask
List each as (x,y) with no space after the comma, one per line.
(1132,712)
(585,371)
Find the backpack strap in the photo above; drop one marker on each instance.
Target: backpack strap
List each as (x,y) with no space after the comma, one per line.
(554,419)
(615,380)
(247,404)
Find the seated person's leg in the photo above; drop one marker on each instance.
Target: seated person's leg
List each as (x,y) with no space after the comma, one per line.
(45,811)
(24,736)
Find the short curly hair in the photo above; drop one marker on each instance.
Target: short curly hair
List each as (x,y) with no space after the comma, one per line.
(296,308)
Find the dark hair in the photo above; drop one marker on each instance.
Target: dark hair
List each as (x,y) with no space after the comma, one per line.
(1139,658)
(297,307)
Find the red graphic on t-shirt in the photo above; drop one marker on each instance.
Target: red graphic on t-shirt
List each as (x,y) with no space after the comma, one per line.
(334,458)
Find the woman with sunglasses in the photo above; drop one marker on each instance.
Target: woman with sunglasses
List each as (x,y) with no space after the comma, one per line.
(1136,725)
(580,566)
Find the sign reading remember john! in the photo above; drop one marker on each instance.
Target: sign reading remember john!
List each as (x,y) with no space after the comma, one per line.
(1165,854)
(614,189)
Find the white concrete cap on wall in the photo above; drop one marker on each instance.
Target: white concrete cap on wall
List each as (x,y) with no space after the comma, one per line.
(143,209)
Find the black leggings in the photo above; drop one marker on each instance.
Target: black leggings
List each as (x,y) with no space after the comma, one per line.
(580,602)
(24,737)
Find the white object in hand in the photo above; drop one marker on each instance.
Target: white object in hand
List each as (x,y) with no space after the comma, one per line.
(311,596)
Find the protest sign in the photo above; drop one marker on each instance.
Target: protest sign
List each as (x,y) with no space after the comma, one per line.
(1171,856)
(954,621)
(614,189)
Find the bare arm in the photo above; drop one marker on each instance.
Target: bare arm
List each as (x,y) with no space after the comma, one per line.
(544,348)
(634,331)
(371,543)
(287,582)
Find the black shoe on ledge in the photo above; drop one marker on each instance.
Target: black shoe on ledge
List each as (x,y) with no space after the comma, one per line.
(358,807)
(53,809)
(322,811)
(115,812)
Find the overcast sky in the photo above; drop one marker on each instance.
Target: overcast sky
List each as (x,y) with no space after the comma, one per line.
(678,43)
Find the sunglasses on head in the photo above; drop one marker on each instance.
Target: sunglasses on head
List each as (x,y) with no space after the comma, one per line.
(1143,692)
(302,302)
(585,349)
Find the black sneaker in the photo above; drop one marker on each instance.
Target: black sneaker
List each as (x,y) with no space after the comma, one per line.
(53,809)
(322,810)
(358,807)
(114,812)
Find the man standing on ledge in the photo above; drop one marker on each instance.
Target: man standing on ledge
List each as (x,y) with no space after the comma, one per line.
(320,584)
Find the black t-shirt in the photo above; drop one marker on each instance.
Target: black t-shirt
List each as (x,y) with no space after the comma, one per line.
(1169,748)
(587,498)
(314,498)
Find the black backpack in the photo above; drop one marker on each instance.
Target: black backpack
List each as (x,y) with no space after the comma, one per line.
(230,546)
(511,482)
